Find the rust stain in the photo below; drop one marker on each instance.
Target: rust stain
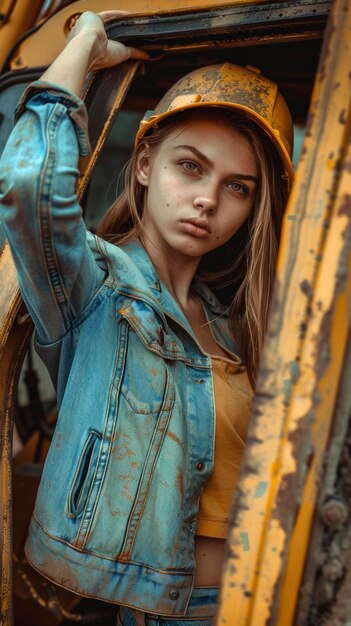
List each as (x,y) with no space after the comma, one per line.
(175,438)
(345,208)
(120,452)
(180,482)
(306,288)
(342,117)
(114,512)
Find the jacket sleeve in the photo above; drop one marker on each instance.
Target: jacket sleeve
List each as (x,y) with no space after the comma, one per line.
(57,272)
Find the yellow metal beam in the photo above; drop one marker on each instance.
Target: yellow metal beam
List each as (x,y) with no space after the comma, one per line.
(327,333)
(302,360)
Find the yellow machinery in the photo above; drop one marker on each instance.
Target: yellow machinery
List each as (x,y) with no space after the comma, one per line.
(289,545)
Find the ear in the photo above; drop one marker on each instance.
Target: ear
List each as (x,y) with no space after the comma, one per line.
(143,166)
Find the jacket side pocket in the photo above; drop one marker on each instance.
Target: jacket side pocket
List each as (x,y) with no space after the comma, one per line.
(84,474)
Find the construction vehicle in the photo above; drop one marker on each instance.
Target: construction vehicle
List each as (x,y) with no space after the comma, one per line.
(289,544)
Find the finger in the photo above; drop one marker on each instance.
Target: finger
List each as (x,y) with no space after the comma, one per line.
(109,15)
(117,52)
(136,53)
(87,17)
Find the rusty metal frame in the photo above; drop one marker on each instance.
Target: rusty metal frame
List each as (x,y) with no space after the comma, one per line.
(302,360)
(236,25)
(104,97)
(15,331)
(178,28)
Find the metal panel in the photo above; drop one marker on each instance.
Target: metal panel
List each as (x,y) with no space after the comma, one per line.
(170,26)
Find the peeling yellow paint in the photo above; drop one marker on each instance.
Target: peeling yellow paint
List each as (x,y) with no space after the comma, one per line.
(309,324)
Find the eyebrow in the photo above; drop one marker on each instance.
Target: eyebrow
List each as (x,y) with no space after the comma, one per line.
(206,160)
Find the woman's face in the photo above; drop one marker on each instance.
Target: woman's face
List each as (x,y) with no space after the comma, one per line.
(201,183)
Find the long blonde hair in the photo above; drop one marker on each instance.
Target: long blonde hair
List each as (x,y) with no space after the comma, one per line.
(241,272)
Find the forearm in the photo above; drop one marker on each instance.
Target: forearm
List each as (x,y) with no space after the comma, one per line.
(71,67)
(89,49)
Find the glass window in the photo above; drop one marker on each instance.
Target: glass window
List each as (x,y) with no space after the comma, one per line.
(107,180)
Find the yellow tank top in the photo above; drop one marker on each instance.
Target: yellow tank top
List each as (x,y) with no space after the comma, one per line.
(233,398)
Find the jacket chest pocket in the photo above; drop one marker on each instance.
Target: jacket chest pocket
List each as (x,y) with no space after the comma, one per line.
(143,378)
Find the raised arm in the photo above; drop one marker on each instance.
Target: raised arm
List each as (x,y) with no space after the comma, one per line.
(58,274)
(88,49)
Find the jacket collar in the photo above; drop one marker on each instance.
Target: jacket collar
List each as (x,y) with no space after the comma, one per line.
(138,254)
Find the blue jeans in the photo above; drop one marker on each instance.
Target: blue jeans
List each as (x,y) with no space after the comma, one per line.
(200,612)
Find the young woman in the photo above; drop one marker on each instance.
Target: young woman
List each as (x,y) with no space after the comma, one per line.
(154,373)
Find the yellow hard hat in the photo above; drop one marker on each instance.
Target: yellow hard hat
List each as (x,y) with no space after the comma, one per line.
(235,87)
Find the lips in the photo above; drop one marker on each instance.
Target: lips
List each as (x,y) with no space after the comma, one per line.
(199,223)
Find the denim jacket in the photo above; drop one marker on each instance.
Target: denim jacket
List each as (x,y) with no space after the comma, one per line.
(116,510)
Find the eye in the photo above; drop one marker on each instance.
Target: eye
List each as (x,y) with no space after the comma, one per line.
(239,188)
(190,166)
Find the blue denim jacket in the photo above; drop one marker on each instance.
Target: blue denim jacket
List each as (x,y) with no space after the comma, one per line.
(116,511)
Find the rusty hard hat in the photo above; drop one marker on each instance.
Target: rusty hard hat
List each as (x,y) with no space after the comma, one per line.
(231,86)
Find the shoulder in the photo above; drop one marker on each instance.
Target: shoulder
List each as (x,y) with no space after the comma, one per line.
(128,265)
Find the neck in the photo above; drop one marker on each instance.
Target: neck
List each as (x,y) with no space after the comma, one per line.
(175,270)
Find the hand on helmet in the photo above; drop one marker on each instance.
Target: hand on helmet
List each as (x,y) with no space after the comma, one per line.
(104,52)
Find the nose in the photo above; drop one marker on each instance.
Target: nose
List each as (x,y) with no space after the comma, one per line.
(206,200)
(204,203)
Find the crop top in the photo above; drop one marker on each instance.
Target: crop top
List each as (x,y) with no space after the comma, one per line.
(233,399)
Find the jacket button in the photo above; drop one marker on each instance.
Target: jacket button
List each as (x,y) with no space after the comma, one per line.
(174,594)
(200,466)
